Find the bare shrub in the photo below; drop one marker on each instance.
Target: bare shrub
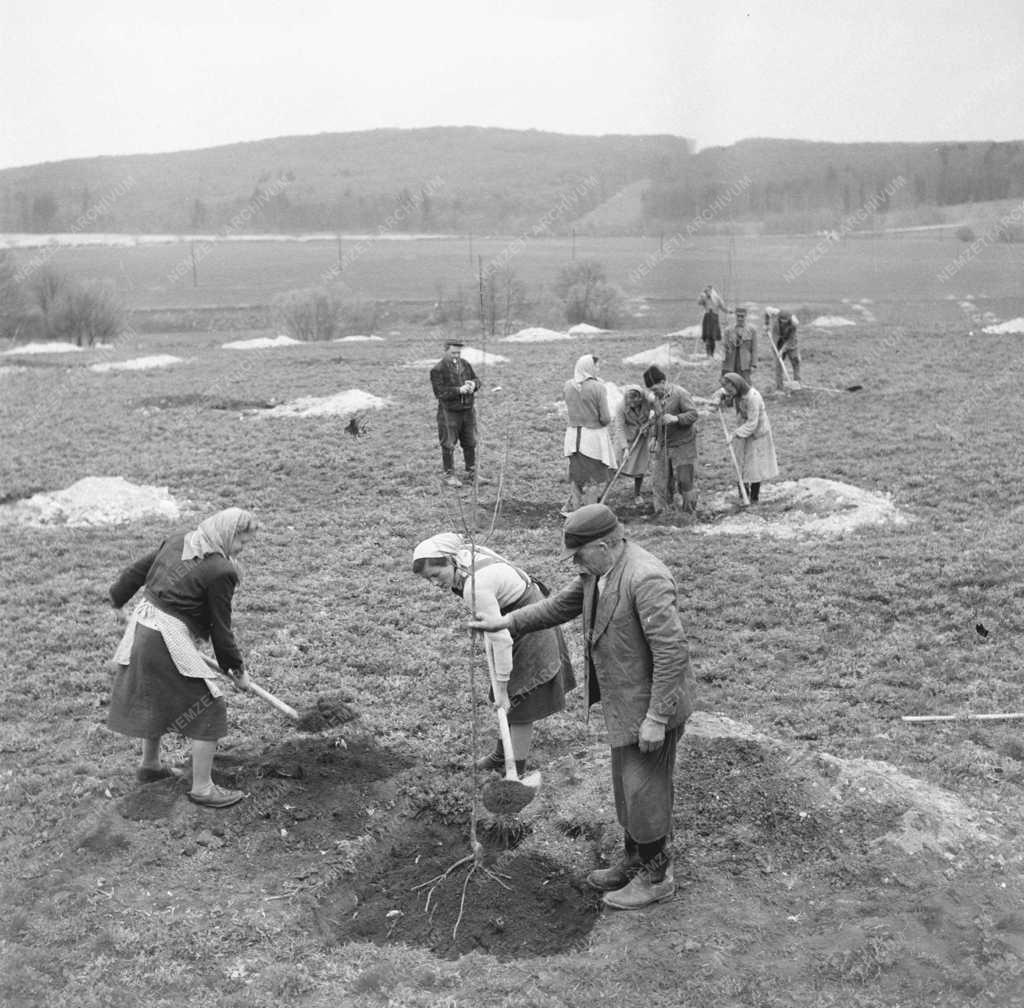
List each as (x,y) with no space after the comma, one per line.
(57,307)
(86,314)
(965,233)
(587,295)
(315,313)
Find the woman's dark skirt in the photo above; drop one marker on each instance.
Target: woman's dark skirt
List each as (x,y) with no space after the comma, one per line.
(542,655)
(150,697)
(583,470)
(710,331)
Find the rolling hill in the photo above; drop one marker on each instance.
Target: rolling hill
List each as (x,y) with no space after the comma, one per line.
(495,181)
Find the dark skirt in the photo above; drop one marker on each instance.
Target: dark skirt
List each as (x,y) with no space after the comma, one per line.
(150,697)
(543,656)
(710,331)
(583,470)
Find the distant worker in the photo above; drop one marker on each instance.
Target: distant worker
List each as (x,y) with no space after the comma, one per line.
(455,385)
(739,346)
(784,334)
(710,327)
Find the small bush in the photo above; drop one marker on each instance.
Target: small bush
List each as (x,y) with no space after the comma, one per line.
(965,233)
(311,314)
(86,315)
(587,296)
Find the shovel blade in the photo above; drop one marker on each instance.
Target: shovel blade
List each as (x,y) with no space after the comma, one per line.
(507,797)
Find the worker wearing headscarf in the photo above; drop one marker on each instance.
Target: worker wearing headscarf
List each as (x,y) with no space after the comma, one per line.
(588,443)
(632,425)
(163,683)
(529,675)
(752,440)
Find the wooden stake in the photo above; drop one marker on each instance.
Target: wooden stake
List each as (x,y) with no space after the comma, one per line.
(933,718)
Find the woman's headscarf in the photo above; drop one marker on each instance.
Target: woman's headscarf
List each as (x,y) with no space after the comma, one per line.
(738,382)
(586,367)
(215,533)
(451,544)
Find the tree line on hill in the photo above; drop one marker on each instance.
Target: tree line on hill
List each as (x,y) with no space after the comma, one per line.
(483,181)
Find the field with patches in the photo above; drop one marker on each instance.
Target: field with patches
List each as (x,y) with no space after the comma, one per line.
(827,853)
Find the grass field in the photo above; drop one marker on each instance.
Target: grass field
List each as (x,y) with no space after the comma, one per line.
(792,888)
(899,273)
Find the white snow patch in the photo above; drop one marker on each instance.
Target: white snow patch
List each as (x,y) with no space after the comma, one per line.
(688,333)
(261,342)
(535,334)
(476,357)
(340,404)
(1013,326)
(585,329)
(832,322)
(666,355)
(137,363)
(359,339)
(37,348)
(94,500)
(805,507)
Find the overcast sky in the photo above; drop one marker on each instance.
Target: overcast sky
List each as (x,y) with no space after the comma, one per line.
(119,77)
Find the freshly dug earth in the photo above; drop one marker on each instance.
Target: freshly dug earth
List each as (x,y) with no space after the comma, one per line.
(330,712)
(524,905)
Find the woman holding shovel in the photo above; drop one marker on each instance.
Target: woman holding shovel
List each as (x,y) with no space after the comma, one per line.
(529,675)
(751,442)
(632,423)
(163,682)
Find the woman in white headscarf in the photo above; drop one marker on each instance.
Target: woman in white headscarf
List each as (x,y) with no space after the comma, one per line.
(752,440)
(588,441)
(530,674)
(162,683)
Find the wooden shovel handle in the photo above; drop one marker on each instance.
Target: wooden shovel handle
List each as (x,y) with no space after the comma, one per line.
(265,695)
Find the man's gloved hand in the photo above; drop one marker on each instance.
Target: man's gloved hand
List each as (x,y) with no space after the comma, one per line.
(652,735)
(670,417)
(466,387)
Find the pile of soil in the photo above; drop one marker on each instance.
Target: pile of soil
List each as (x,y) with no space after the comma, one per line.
(329,712)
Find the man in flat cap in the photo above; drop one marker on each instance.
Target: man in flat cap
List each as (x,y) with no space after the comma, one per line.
(455,385)
(739,345)
(674,444)
(638,665)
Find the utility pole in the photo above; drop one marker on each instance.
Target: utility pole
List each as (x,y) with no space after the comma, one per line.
(195,274)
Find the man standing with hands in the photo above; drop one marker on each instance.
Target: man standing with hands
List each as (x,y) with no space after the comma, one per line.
(638,666)
(455,385)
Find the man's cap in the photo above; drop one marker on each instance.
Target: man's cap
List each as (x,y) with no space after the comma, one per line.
(741,310)
(453,342)
(588,524)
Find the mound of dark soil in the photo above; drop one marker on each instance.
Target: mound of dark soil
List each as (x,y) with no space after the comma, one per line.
(528,905)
